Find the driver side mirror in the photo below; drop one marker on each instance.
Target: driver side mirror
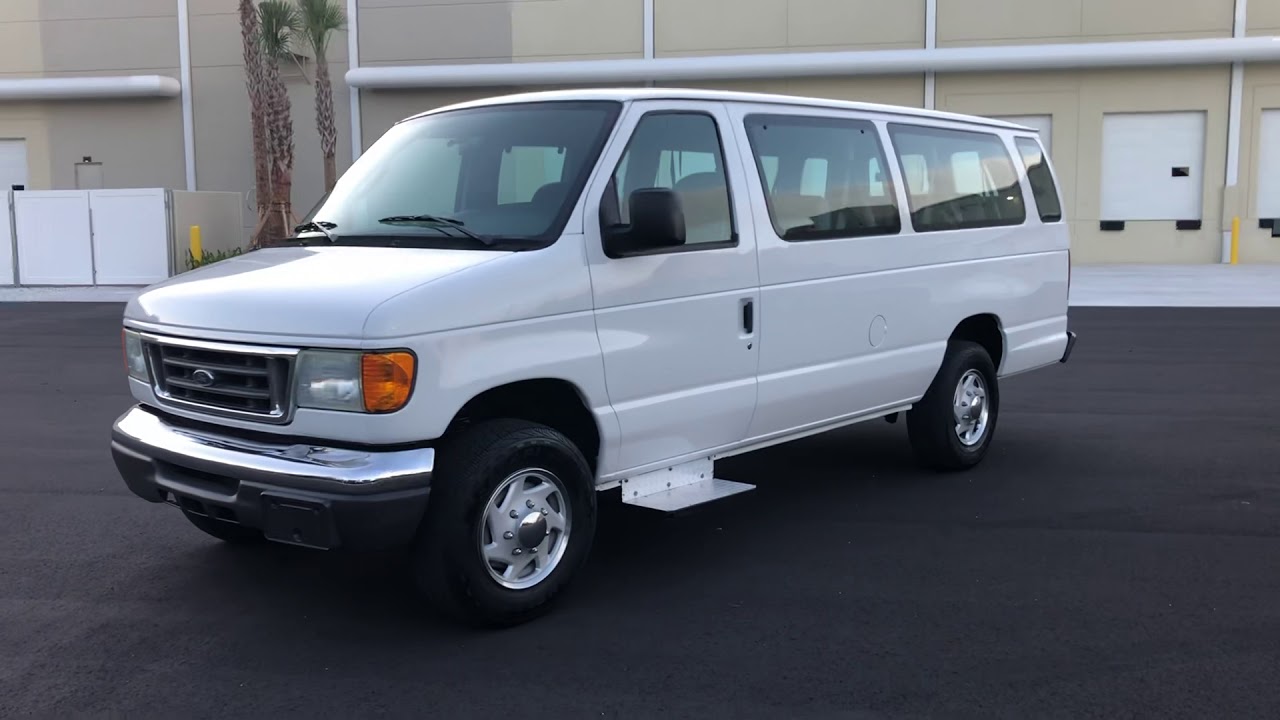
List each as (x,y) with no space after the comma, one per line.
(657,221)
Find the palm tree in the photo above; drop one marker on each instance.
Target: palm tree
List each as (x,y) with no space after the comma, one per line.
(319,20)
(279,20)
(251,37)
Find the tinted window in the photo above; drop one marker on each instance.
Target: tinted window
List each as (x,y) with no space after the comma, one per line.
(957,179)
(680,151)
(823,176)
(1041,180)
(508,171)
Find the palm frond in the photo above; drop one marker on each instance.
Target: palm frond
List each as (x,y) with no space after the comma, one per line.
(280,22)
(318,20)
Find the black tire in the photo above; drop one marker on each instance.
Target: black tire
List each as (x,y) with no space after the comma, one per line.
(448,566)
(931,424)
(226,531)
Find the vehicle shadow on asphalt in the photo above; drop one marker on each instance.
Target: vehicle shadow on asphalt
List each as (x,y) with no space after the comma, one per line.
(639,559)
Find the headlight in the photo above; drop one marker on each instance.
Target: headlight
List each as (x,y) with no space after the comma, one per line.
(354,381)
(135,358)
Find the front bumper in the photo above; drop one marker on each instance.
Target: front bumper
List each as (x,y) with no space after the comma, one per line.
(300,494)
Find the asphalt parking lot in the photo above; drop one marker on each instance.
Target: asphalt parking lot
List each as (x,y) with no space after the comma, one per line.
(1118,555)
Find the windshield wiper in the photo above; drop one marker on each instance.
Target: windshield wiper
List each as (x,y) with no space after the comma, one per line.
(438,220)
(321,225)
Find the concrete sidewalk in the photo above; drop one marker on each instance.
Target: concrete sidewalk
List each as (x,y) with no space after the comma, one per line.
(1091,286)
(1176,285)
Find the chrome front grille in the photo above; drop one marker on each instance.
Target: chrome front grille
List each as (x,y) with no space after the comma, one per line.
(222,379)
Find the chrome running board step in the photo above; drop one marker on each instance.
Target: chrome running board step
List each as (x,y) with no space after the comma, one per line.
(679,487)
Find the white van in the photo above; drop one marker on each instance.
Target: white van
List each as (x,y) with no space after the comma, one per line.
(508,305)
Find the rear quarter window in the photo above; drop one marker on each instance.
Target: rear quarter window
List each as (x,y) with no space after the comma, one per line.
(1043,189)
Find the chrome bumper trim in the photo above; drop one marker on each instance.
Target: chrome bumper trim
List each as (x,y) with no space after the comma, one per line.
(299,466)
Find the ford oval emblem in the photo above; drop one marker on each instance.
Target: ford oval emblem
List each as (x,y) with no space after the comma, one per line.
(202,377)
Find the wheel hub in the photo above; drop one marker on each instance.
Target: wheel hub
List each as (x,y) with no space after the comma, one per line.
(970,408)
(525,529)
(532,530)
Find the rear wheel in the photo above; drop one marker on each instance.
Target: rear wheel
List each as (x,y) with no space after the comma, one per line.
(953,424)
(225,531)
(510,521)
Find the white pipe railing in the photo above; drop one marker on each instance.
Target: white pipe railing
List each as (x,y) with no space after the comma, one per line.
(88,88)
(1006,58)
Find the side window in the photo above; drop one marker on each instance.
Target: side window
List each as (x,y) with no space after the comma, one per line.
(525,170)
(957,179)
(681,151)
(1043,188)
(823,176)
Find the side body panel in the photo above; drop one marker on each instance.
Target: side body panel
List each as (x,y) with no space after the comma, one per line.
(850,325)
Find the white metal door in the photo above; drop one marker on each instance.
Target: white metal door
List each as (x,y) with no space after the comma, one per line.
(678,328)
(13,164)
(1152,166)
(54,247)
(130,236)
(1269,166)
(7,276)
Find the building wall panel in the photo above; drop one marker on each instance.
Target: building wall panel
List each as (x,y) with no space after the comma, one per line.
(542,29)
(693,27)
(1009,22)
(412,33)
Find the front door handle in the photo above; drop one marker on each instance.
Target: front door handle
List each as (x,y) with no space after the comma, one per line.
(748,316)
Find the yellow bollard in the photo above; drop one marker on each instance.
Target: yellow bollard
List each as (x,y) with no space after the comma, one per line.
(1235,240)
(196,249)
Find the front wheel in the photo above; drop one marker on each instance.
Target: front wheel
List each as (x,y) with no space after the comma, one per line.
(953,424)
(511,519)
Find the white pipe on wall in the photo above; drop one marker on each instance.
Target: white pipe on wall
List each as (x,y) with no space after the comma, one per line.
(353,63)
(1148,53)
(89,88)
(1234,110)
(188,114)
(649,42)
(930,43)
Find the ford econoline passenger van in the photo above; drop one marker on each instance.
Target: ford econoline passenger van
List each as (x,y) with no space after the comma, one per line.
(507,306)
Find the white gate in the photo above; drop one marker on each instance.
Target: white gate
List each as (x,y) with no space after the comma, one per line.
(130,236)
(54,244)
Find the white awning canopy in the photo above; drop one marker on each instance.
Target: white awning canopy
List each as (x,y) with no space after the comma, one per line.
(1004,58)
(89,88)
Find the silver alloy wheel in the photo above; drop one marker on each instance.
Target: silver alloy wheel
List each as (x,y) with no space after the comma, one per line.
(970,408)
(525,528)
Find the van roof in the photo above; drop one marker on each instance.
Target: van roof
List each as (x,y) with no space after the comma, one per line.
(624,94)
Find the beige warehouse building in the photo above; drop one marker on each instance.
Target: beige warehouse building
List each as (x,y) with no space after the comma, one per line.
(1162,116)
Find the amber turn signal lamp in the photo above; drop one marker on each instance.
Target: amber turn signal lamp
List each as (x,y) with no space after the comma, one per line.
(387,380)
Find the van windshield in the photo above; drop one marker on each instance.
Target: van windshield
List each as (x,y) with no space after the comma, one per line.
(473,178)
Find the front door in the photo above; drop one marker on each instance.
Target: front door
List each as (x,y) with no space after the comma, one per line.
(677,326)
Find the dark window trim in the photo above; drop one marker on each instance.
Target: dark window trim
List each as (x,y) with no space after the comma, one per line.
(610,189)
(897,153)
(842,123)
